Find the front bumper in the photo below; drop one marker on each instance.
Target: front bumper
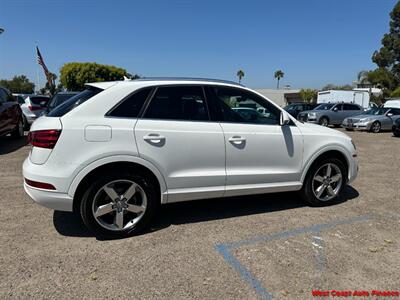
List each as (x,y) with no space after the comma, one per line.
(357,126)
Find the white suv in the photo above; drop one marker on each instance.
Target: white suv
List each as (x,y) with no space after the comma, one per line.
(118,150)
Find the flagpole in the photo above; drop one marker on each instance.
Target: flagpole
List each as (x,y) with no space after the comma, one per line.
(37,72)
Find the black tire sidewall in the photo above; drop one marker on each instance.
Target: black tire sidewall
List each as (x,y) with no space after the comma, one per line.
(88,198)
(322,123)
(307,193)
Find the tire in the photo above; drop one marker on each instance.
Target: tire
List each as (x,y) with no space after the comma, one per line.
(323,121)
(375,127)
(107,224)
(18,131)
(348,129)
(309,191)
(26,124)
(396,133)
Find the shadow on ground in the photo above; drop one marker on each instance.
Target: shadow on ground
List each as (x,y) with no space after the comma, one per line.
(70,224)
(10,144)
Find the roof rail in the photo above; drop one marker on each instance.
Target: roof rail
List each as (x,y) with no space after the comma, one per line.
(186,79)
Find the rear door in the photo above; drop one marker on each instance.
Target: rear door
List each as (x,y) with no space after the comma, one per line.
(175,134)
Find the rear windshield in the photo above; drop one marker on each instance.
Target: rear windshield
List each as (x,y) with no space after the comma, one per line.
(74,101)
(60,98)
(38,100)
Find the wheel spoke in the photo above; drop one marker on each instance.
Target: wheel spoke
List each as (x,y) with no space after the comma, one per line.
(319,178)
(328,170)
(330,190)
(119,219)
(320,190)
(104,209)
(130,191)
(111,193)
(135,208)
(336,178)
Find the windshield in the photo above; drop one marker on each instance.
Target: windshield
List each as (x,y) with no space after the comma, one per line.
(74,101)
(325,106)
(376,111)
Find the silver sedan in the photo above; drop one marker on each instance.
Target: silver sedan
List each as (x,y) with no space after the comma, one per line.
(375,120)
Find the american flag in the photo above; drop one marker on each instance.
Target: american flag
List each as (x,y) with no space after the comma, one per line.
(46,71)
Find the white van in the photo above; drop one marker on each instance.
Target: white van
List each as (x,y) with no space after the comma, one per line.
(334,96)
(392,103)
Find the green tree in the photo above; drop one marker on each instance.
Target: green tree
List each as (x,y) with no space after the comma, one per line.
(240,75)
(278,75)
(395,93)
(73,76)
(330,86)
(383,78)
(308,95)
(19,84)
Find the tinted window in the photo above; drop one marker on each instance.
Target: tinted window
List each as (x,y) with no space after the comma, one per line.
(131,106)
(74,101)
(20,99)
(240,106)
(3,96)
(325,106)
(37,100)
(350,107)
(395,111)
(59,98)
(178,103)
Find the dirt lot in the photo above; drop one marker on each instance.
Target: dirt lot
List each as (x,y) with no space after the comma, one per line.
(249,247)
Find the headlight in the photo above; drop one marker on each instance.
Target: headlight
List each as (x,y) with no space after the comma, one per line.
(312,115)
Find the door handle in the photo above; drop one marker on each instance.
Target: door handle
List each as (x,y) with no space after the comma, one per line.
(236,139)
(154,138)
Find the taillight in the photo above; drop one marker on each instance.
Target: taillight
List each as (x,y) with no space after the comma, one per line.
(32,108)
(44,138)
(40,185)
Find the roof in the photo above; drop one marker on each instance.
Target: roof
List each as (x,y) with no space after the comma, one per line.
(106,85)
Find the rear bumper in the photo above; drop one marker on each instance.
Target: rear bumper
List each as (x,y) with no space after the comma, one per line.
(53,200)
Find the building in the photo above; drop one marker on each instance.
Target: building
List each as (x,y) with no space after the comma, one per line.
(281,97)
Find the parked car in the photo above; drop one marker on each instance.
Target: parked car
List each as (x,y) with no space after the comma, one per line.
(295,108)
(20,98)
(375,120)
(330,113)
(58,99)
(395,103)
(338,96)
(118,150)
(396,127)
(10,115)
(33,108)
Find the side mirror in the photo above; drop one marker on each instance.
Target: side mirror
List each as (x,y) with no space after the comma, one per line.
(335,109)
(390,114)
(284,119)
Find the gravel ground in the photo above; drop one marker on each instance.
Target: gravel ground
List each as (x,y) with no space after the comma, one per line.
(46,254)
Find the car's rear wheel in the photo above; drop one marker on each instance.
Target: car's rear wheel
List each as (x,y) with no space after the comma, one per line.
(118,205)
(324,121)
(324,182)
(19,130)
(376,127)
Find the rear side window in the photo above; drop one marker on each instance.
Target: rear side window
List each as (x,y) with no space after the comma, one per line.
(350,107)
(178,103)
(39,100)
(74,101)
(131,106)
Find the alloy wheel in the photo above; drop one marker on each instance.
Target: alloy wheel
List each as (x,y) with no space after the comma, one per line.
(119,205)
(327,182)
(376,127)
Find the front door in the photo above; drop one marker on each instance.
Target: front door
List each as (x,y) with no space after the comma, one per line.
(261,155)
(177,136)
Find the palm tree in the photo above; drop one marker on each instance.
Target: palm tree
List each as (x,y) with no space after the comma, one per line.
(278,75)
(240,75)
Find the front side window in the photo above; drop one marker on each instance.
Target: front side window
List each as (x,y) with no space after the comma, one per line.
(178,103)
(395,111)
(240,106)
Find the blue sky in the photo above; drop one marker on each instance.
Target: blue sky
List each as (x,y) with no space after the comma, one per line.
(314,42)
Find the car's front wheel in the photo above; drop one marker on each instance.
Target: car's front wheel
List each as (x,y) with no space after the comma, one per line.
(118,205)
(324,182)
(376,127)
(324,121)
